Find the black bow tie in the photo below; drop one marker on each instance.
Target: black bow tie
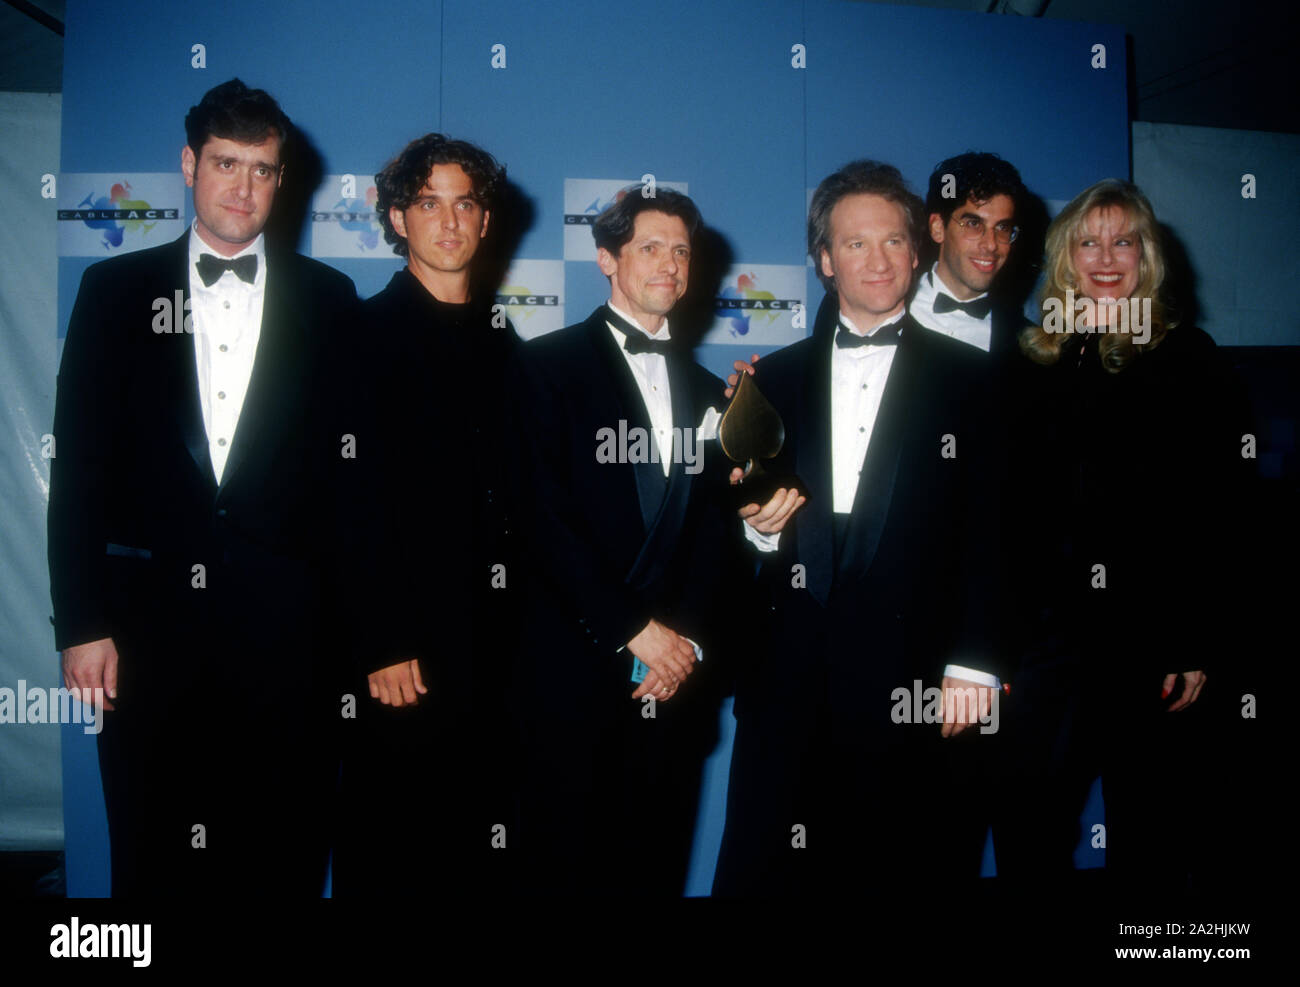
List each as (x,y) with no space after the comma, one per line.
(211,267)
(639,342)
(977,308)
(634,340)
(845,339)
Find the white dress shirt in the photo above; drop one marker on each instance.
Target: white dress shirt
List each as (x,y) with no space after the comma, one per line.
(227,320)
(858,377)
(957,324)
(651,373)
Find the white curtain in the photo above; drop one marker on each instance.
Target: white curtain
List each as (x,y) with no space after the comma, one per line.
(31,792)
(1244,252)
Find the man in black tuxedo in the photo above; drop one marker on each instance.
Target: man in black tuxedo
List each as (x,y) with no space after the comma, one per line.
(199,511)
(972,205)
(626,541)
(873,572)
(430,753)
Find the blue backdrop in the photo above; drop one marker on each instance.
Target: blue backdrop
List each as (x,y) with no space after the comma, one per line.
(716,96)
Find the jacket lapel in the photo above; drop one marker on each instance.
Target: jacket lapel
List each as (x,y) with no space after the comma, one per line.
(648,477)
(875,490)
(813,457)
(666,526)
(180,371)
(275,387)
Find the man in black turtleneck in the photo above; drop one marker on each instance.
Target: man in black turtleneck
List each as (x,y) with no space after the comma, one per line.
(424,782)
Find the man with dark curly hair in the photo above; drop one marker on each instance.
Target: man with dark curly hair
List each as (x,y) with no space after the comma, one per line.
(971,206)
(428,750)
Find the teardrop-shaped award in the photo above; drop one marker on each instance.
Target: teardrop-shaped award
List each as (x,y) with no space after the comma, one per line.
(750,431)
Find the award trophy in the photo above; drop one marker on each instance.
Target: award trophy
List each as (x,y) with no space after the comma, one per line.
(751,430)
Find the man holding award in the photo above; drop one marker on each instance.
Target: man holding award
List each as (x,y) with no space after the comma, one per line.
(877,637)
(623,524)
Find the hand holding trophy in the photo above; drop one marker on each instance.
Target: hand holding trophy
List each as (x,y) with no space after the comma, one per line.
(751,430)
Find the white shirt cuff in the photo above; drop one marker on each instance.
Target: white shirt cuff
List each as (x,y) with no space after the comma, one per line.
(764,543)
(971,675)
(699,652)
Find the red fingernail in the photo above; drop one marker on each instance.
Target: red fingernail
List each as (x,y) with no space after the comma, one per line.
(1164,693)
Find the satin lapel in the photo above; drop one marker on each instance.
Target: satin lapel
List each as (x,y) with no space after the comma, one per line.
(880,466)
(661,541)
(648,477)
(813,458)
(275,386)
(685,417)
(181,372)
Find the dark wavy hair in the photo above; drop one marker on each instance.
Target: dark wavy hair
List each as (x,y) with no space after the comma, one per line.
(401,180)
(863,177)
(234,112)
(979,176)
(614,227)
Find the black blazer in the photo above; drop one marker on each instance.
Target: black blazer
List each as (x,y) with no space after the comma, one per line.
(1144,474)
(609,545)
(912,586)
(1008,322)
(135,505)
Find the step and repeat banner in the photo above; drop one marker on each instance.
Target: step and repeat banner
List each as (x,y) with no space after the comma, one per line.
(744,105)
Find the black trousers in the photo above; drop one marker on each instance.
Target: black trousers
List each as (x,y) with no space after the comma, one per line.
(426,801)
(608,794)
(817,807)
(1068,729)
(218,801)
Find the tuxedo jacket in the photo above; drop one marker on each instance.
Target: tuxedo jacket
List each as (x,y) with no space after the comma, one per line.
(220,585)
(1008,323)
(908,585)
(610,545)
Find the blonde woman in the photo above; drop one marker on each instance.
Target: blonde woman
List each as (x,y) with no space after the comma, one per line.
(1131,440)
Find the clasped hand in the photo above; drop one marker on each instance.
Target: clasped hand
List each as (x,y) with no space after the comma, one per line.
(669,656)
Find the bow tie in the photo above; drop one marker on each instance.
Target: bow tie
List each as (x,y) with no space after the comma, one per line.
(977,308)
(211,267)
(634,340)
(846,340)
(639,342)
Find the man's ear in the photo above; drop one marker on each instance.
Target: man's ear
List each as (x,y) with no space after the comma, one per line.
(484,228)
(827,270)
(398,218)
(936,227)
(606,261)
(280,180)
(188,163)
